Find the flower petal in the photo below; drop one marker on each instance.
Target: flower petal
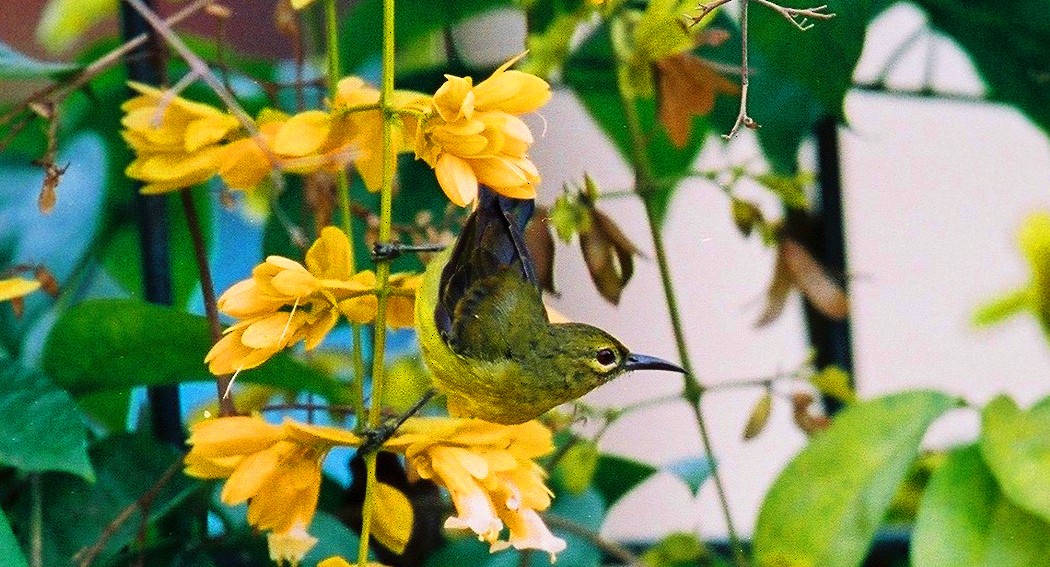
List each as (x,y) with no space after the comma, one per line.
(457,179)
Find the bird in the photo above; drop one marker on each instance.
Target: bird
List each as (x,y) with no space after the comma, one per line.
(485,334)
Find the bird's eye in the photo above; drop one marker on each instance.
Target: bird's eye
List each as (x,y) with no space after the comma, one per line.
(605,357)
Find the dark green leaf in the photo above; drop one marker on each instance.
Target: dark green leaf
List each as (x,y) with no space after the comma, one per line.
(1016,444)
(112,344)
(822,58)
(334,538)
(693,471)
(127,466)
(616,476)
(965,520)
(10,554)
(825,506)
(551,24)
(1007,43)
(15,65)
(586,510)
(678,549)
(108,409)
(413,20)
(41,429)
(591,73)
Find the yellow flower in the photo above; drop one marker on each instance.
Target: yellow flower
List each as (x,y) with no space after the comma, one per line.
(290,547)
(285,302)
(277,468)
(473,134)
(490,474)
(12,288)
(317,140)
(180,151)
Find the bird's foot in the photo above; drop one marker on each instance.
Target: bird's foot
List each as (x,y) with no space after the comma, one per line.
(374,438)
(386,251)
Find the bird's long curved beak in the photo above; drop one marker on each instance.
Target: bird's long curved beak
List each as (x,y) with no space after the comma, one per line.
(646,362)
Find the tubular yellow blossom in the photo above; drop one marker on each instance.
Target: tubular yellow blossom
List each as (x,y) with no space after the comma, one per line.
(12,288)
(182,149)
(490,474)
(275,467)
(488,469)
(285,302)
(472,134)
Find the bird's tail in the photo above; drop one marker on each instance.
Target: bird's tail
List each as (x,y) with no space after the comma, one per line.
(492,241)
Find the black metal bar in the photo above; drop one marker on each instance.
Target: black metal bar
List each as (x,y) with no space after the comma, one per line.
(145,65)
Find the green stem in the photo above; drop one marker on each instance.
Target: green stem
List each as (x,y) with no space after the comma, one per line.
(343,194)
(36,527)
(646,186)
(375,413)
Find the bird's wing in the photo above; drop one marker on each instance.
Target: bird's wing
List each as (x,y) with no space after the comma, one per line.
(492,242)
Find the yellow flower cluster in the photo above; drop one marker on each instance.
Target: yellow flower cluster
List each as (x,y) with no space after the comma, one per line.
(490,473)
(179,143)
(473,135)
(285,302)
(469,134)
(487,468)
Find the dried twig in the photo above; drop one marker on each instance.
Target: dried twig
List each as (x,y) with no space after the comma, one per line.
(86,556)
(58,91)
(799,16)
(742,119)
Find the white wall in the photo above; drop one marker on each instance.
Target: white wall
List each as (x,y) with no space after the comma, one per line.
(934,191)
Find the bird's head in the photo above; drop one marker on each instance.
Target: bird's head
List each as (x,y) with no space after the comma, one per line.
(594,357)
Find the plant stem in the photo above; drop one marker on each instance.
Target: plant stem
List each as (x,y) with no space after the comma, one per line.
(375,413)
(200,254)
(645,187)
(36,521)
(343,194)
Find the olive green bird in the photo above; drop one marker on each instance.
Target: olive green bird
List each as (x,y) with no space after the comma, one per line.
(486,337)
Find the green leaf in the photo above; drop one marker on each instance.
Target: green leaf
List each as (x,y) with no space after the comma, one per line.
(551,25)
(575,470)
(127,466)
(822,58)
(10,554)
(41,429)
(334,538)
(693,471)
(1003,307)
(965,520)
(616,476)
(679,549)
(826,505)
(591,73)
(1016,446)
(15,65)
(362,26)
(111,344)
(1007,43)
(64,22)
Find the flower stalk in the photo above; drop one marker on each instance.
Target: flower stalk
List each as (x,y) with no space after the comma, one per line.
(386,91)
(343,195)
(645,187)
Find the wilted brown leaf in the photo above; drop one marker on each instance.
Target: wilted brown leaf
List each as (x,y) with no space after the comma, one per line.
(540,244)
(826,295)
(687,87)
(796,267)
(47,280)
(808,422)
(609,256)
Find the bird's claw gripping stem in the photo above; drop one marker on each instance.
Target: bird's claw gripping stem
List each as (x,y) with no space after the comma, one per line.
(387,251)
(375,437)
